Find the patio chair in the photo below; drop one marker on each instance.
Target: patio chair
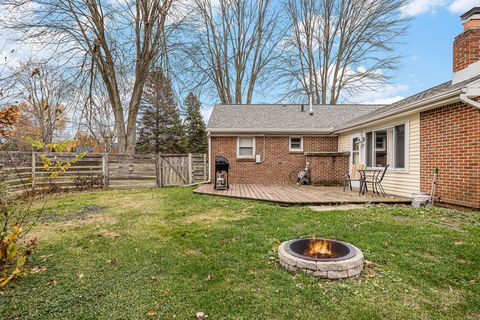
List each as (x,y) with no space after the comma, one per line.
(376,181)
(352,176)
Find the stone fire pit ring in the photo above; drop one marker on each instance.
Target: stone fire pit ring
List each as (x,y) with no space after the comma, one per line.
(346,263)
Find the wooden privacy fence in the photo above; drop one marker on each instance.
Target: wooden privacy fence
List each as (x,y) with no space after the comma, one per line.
(22,171)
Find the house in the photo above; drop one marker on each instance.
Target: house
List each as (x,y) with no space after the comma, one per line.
(436,128)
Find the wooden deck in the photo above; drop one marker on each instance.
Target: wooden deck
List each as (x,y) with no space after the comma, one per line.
(303,195)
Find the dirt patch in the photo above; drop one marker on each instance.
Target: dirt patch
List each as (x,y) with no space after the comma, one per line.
(216,215)
(58,228)
(81,214)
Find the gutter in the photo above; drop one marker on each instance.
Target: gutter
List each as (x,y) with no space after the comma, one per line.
(467,94)
(441,99)
(326,131)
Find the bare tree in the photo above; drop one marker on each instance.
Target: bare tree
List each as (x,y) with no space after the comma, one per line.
(235,41)
(95,115)
(121,38)
(338,47)
(45,98)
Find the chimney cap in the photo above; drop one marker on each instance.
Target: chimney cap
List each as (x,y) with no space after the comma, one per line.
(472,12)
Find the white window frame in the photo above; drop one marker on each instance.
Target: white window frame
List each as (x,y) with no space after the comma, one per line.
(290,144)
(253,148)
(407,147)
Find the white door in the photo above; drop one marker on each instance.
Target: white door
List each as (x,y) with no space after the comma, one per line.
(356,158)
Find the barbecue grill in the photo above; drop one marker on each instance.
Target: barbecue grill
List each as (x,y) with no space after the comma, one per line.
(221,173)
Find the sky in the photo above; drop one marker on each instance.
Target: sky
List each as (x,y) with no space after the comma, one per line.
(426,50)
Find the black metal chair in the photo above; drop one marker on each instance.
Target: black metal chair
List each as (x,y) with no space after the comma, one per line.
(376,181)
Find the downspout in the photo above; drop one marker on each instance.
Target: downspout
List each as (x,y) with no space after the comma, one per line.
(467,94)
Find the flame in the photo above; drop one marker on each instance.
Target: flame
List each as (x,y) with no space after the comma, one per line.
(319,249)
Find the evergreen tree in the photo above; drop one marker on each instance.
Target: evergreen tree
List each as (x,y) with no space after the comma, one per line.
(160,128)
(194,125)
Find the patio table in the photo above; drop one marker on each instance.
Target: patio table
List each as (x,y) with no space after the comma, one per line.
(363,178)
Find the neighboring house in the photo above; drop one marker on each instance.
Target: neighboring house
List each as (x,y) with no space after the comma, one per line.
(439,127)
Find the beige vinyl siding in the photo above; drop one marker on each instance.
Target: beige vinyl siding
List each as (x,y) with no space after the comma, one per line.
(396,182)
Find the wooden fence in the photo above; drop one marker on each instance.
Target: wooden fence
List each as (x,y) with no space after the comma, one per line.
(23,171)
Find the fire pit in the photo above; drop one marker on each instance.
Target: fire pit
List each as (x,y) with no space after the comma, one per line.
(325,258)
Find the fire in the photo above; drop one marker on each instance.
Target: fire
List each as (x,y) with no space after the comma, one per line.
(319,249)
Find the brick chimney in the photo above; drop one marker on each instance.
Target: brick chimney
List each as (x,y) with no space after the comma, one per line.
(466,47)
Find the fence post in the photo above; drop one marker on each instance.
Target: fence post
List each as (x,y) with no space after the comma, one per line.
(34,164)
(205,168)
(159,169)
(105,170)
(190,169)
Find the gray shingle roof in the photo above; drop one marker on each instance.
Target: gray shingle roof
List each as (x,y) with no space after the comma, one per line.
(283,118)
(325,118)
(418,97)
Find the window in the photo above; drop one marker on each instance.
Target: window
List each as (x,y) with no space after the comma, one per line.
(387,146)
(356,151)
(296,144)
(246,147)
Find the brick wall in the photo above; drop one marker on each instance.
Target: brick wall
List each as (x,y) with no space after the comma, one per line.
(450,140)
(466,49)
(328,169)
(280,165)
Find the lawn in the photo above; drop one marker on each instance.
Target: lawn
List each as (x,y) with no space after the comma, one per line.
(168,253)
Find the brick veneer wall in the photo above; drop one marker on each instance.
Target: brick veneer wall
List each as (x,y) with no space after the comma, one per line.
(328,169)
(466,49)
(450,140)
(280,165)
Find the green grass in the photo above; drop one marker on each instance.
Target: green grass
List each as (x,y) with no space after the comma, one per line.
(178,253)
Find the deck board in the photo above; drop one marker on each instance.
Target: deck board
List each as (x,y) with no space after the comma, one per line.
(303,195)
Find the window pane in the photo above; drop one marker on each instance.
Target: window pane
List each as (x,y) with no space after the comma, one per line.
(381,148)
(356,144)
(369,148)
(295,143)
(245,151)
(399,146)
(245,142)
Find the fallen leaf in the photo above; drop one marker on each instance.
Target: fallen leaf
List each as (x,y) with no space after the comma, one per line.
(385,243)
(113,261)
(38,269)
(53,281)
(368,263)
(154,279)
(201,315)
(166,292)
(151,313)
(80,276)
(209,277)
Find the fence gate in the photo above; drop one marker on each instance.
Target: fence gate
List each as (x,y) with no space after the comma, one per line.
(23,171)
